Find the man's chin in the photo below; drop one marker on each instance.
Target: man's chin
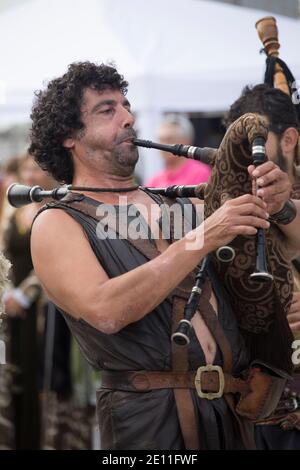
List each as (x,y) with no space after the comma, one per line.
(129,158)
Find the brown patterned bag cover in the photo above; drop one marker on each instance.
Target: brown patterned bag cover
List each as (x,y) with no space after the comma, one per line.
(260,308)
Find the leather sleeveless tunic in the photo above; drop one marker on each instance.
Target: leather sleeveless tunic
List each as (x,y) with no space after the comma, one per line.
(148,420)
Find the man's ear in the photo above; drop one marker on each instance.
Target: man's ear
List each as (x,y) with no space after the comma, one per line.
(289,139)
(69,143)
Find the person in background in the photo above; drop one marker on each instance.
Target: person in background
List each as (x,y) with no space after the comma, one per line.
(178,129)
(281,148)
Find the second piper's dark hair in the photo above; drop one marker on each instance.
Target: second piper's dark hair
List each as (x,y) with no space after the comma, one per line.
(56,114)
(271,102)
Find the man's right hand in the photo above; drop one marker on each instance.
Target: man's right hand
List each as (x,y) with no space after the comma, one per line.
(239,216)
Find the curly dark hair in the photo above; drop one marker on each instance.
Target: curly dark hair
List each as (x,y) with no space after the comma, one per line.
(271,102)
(56,114)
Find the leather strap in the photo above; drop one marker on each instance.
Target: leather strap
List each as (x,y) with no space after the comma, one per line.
(144,381)
(208,314)
(183,397)
(211,320)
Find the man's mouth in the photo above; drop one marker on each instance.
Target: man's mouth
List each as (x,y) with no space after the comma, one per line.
(128,141)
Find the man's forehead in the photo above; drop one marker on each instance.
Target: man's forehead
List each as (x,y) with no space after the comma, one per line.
(90,95)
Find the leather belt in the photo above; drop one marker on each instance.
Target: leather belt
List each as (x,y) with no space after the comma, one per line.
(209,381)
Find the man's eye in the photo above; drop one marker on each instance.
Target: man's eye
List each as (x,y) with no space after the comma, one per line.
(107,111)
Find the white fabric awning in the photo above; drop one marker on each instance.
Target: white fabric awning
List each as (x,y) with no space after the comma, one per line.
(180,55)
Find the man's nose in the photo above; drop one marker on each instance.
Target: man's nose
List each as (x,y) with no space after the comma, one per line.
(128,118)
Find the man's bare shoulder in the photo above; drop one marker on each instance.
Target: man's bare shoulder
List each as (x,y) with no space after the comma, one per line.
(53,218)
(65,263)
(52,227)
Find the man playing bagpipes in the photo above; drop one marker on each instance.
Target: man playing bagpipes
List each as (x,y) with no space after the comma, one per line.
(281,149)
(123,296)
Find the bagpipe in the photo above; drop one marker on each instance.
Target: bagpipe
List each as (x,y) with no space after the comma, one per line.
(277,74)
(255,270)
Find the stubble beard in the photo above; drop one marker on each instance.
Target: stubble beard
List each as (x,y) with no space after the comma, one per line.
(124,160)
(120,161)
(280,160)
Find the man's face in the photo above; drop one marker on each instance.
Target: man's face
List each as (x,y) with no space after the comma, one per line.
(274,151)
(107,138)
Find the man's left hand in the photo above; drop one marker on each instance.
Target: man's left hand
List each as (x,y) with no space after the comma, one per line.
(274,186)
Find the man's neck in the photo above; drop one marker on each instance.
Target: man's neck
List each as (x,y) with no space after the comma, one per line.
(102,180)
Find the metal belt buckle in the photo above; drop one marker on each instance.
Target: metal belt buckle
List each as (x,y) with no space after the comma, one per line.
(209,395)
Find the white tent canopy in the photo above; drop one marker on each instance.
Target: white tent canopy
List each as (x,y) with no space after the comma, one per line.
(178,55)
